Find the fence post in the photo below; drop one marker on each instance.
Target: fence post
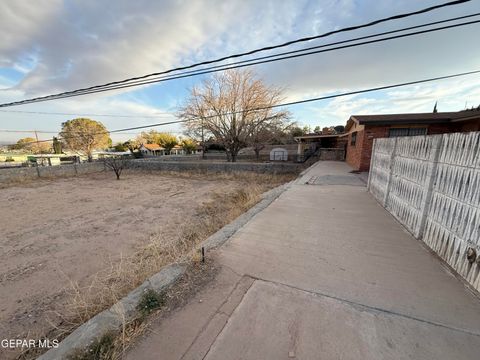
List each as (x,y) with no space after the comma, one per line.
(372,163)
(430,184)
(38,170)
(390,173)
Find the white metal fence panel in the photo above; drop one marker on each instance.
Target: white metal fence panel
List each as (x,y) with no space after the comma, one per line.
(453,222)
(380,168)
(431,184)
(412,169)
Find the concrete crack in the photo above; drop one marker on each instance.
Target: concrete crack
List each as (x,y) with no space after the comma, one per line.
(369,308)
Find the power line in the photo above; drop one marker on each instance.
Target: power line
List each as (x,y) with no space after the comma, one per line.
(161,115)
(28,131)
(43,131)
(327,97)
(250,63)
(227,67)
(87,90)
(277,57)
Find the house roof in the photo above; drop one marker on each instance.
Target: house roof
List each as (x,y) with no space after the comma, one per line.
(318,136)
(152,147)
(414,118)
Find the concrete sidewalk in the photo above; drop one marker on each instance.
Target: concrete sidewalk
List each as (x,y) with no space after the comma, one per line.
(323,273)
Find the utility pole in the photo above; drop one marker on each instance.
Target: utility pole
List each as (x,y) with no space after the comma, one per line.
(203,143)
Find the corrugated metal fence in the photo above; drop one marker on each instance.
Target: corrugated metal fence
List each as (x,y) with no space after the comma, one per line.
(431,184)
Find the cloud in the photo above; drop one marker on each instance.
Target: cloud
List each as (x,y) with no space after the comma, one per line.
(63,45)
(138,114)
(77,44)
(423,56)
(452,95)
(20,22)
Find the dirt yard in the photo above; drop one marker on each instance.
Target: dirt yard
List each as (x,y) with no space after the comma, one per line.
(57,235)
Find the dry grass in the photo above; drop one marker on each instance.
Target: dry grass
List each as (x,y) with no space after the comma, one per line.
(110,285)
(123,275)
(37,181)
(17,182)
(114,345)
(242,176)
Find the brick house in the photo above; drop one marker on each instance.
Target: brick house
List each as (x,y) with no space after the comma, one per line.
(363,129)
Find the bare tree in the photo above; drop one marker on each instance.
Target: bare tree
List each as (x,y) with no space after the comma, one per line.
(230,106)
(117,164)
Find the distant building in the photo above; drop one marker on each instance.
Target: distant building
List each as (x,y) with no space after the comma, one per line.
(363,129)
(177,150)
(152,150)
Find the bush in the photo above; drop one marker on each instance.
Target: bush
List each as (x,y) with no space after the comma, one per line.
(151,300)
(100,349)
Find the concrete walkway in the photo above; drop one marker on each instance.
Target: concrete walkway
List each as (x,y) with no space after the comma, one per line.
(323,273)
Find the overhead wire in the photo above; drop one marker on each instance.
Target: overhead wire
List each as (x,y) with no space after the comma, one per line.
(229,67)
(160,115)
(253,62)
(292,103)
(97,88)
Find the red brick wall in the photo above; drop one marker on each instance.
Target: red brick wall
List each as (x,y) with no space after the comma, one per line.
(435,129)
(354,152)
(371,133)
(359,156)
(467,126)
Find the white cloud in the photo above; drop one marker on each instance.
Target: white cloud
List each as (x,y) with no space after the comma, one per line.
(452,95)
(71,44)
(20,21)
(82,43)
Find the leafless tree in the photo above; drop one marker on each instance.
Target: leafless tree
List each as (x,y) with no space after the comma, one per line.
(117,164)
(231,106)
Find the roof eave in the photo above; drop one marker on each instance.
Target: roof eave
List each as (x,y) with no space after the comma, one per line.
(404,121)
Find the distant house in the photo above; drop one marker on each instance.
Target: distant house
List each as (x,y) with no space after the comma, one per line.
(152,150)
(177,150)
(363,129)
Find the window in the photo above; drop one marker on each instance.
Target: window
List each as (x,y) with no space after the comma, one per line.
(395,132)
(353,141)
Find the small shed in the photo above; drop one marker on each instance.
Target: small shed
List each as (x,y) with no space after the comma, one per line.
(279,154)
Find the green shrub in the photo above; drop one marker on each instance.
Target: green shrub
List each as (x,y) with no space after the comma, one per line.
(150,301)
(101,349)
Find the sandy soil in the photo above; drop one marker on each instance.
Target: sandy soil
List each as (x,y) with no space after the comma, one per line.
(54,232)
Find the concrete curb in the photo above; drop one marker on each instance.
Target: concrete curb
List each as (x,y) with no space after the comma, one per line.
(113,318)
(126,309)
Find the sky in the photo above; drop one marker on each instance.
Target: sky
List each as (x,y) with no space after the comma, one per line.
(49,46)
